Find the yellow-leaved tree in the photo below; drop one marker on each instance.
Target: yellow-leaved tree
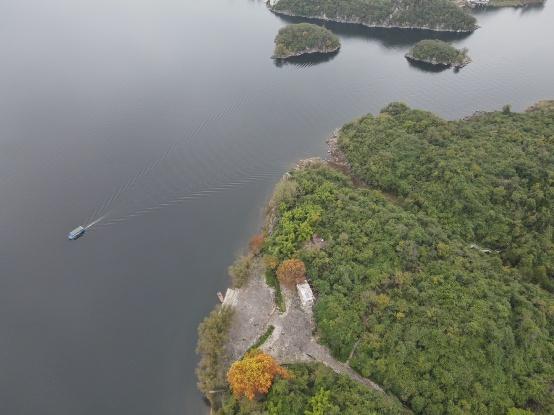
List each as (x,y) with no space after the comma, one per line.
(254,374)
(291,272)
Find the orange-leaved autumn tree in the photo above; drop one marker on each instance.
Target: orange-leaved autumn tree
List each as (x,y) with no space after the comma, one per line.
(254,374)
(256,243)
(291,271)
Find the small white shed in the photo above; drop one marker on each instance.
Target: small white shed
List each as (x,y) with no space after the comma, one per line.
(306,295)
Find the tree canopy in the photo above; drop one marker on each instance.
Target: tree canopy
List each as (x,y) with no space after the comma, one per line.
(314,389)
(488,180)
(254,374)
(291,272)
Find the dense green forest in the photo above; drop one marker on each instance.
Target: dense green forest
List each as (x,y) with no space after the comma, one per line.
(428,14)
(316,390)
(297,39)
(444,327)
(488,180)
(438,52)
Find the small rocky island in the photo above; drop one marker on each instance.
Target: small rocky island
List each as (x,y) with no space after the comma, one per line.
(438,53)
(304,38)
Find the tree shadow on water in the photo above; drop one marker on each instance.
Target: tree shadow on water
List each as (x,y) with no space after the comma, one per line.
(527,9)
(307,60)
(427,67)
(388,37)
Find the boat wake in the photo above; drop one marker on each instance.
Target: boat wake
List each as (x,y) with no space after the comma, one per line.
(90,225)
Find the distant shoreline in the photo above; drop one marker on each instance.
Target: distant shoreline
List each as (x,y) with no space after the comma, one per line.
(375,26)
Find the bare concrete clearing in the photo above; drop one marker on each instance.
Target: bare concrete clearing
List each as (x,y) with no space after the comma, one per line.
(254,308)
(292,340)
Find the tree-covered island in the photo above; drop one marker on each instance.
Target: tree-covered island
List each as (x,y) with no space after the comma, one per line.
(304,38)
(439,53)
(438,15)
(429,246)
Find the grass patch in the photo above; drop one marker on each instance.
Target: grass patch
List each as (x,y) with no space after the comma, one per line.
(262,339)
(272,281)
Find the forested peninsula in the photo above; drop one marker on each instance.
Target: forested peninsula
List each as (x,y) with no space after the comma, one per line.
(437,15)
(304,38)
(429,246)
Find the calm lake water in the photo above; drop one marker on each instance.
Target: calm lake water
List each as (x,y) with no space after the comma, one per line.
(130,108)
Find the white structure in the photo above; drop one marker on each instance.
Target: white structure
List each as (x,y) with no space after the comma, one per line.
(474,3)
(231,298)
(306,295)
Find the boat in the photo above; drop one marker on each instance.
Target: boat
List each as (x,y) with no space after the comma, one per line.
(76,233)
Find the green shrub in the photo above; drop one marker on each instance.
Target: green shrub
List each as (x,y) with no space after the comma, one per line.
(212,338)
(285,192)
(240,270)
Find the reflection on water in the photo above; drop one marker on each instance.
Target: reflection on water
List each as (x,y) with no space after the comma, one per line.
(528,9)
(426,67)
(531,8)
(306,60)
